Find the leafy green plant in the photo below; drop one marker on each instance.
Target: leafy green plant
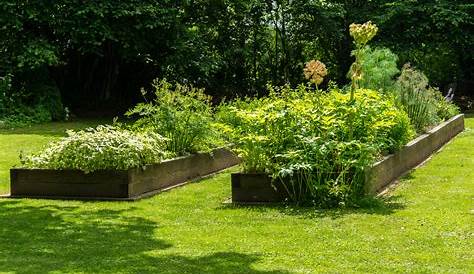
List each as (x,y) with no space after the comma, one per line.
(445,109)
(379,68)
(303,139)
(22,116)
(183,114)
(105,147)
(5,98)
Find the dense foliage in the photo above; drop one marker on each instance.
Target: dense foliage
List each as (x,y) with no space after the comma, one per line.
(98,53)
(303,138)
(318,143)
(177,121)
(104,147)
(376,69)
(380,68)
(182,114)
(20,108)
(436,36)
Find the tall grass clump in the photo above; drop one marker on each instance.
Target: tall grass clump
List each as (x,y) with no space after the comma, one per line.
(411,93)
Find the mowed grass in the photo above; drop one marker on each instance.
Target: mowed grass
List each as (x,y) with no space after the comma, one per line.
(425,225)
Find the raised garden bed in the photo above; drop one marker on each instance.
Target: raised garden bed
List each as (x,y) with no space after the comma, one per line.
(258,188)
(129,184)
(411,155)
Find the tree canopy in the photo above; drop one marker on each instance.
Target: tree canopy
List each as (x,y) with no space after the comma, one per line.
(101,52)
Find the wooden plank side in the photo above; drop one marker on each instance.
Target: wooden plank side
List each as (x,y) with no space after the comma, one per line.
(384,172)
(178,171)
(127,184)
(255,188)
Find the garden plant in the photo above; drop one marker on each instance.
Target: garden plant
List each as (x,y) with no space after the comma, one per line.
(178,121)
(236,136)
(321,144)
(318,143)
(182,114)
(105,147)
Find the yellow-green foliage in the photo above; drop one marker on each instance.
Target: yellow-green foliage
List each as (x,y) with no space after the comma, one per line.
(363,33)
(303,138)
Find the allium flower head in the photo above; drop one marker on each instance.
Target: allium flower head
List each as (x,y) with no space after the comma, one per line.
(363,33)
(315,71)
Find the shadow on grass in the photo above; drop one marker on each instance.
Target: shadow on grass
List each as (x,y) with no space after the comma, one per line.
(52,238)
(384,205)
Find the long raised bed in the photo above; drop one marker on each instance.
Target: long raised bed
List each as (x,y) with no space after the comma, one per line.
(259,188)
(411,155)
(118,184)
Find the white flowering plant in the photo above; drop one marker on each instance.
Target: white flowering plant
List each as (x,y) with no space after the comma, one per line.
(105,147)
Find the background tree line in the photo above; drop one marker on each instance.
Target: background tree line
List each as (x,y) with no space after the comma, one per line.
(95,55)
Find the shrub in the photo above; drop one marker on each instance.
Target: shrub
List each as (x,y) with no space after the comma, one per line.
(21,116)
(20,108)
(379,68)
(445,109)
(183,114)
(5,87)
(302,138)
(50,100)
(105,147)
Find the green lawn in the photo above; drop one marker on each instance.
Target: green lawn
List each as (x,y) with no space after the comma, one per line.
(424,226)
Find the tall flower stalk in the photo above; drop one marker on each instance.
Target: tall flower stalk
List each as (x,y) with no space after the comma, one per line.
(362,34)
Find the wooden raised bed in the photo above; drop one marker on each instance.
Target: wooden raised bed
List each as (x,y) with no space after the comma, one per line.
(411,155)
(129,184)
(258,188)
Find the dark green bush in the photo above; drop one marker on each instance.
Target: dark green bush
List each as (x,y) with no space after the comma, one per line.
(5,94)
(14,112)
(22,107)
(50,100)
